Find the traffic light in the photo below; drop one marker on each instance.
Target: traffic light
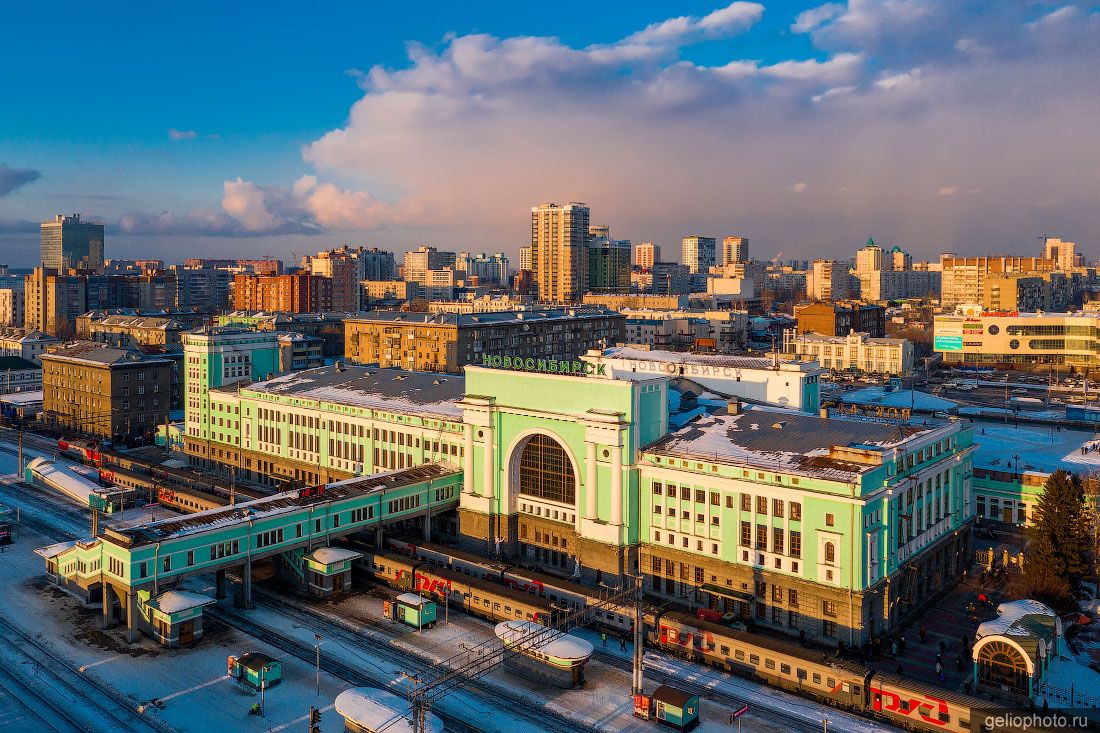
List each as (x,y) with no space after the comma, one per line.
(314,720)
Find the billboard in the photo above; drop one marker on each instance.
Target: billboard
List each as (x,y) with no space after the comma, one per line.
(948,343)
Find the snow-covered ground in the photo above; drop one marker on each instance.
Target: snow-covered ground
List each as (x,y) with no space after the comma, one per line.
(188,689)
(603,703)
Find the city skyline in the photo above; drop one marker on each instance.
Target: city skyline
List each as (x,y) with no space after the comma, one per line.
(847,120)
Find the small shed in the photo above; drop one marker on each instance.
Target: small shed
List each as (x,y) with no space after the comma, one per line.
(255,670)
(369,710)
(175,616)
(676,708)
(328,570)
(415,610)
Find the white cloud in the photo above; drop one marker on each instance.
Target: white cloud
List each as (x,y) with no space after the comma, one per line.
(903,80)
(896,98)
(813,18)
(310,205)
(832,93)
(175,134)
(735,18)
(480,127)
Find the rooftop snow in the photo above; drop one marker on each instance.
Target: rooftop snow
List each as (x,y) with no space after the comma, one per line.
(676,357)
(329,555)
(1042,449)
(177,601)
(784,440)
(563,646)
(383,389)
(271,506)
(1024,618)
(899,398)
(372,709)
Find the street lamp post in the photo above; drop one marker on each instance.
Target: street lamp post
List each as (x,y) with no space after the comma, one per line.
(317,649)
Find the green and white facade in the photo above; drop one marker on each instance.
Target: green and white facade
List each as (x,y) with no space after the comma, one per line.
(833,526)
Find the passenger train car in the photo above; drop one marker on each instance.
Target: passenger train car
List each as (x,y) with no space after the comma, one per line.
(779,663)
(473,595)
(184,500)
(563,594)
(903,702)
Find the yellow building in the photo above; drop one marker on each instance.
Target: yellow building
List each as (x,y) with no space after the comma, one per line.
(446,342)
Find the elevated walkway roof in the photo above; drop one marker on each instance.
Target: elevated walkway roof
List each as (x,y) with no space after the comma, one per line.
(285,502)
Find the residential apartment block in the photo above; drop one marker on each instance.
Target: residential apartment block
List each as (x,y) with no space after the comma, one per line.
(446,342)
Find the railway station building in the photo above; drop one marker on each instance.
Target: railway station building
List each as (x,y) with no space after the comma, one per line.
(835,526)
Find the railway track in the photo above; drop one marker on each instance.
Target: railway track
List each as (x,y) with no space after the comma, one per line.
(35,673)
(540,719)
(795,722)
(708,692)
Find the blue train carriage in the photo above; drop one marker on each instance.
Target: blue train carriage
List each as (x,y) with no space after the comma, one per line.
(670,706)
(559,661)
(369,710)
(415,610)
(256,670)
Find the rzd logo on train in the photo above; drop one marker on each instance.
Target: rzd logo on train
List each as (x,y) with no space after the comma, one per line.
(891,702)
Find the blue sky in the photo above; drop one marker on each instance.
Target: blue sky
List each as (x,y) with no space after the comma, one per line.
(903,118)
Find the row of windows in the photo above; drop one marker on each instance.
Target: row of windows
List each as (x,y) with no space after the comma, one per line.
(778,506)
(778,539)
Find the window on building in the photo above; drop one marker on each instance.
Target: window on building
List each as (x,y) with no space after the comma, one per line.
(746,503)
(796,543)
(828,609)
(830,553)
(830,520)
(777,507)
(761,505)
(796,511)
(545,471)
(746,534)
(761,537)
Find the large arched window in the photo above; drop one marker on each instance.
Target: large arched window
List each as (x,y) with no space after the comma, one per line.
(1002,665)
(545,471)
(830,553)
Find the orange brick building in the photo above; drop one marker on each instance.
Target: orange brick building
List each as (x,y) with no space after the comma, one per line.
(300,293)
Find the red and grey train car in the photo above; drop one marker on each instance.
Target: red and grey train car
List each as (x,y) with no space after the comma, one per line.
(898,700)
(476,596)
(563,594)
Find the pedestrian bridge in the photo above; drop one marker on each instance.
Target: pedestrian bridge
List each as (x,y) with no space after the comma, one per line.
(149,558)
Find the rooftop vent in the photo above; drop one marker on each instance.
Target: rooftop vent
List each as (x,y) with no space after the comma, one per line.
(779,425)
(733,406)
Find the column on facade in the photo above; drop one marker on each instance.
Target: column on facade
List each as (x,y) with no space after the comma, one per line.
(487,466)
(468,461)
(590,509)
(617,484)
